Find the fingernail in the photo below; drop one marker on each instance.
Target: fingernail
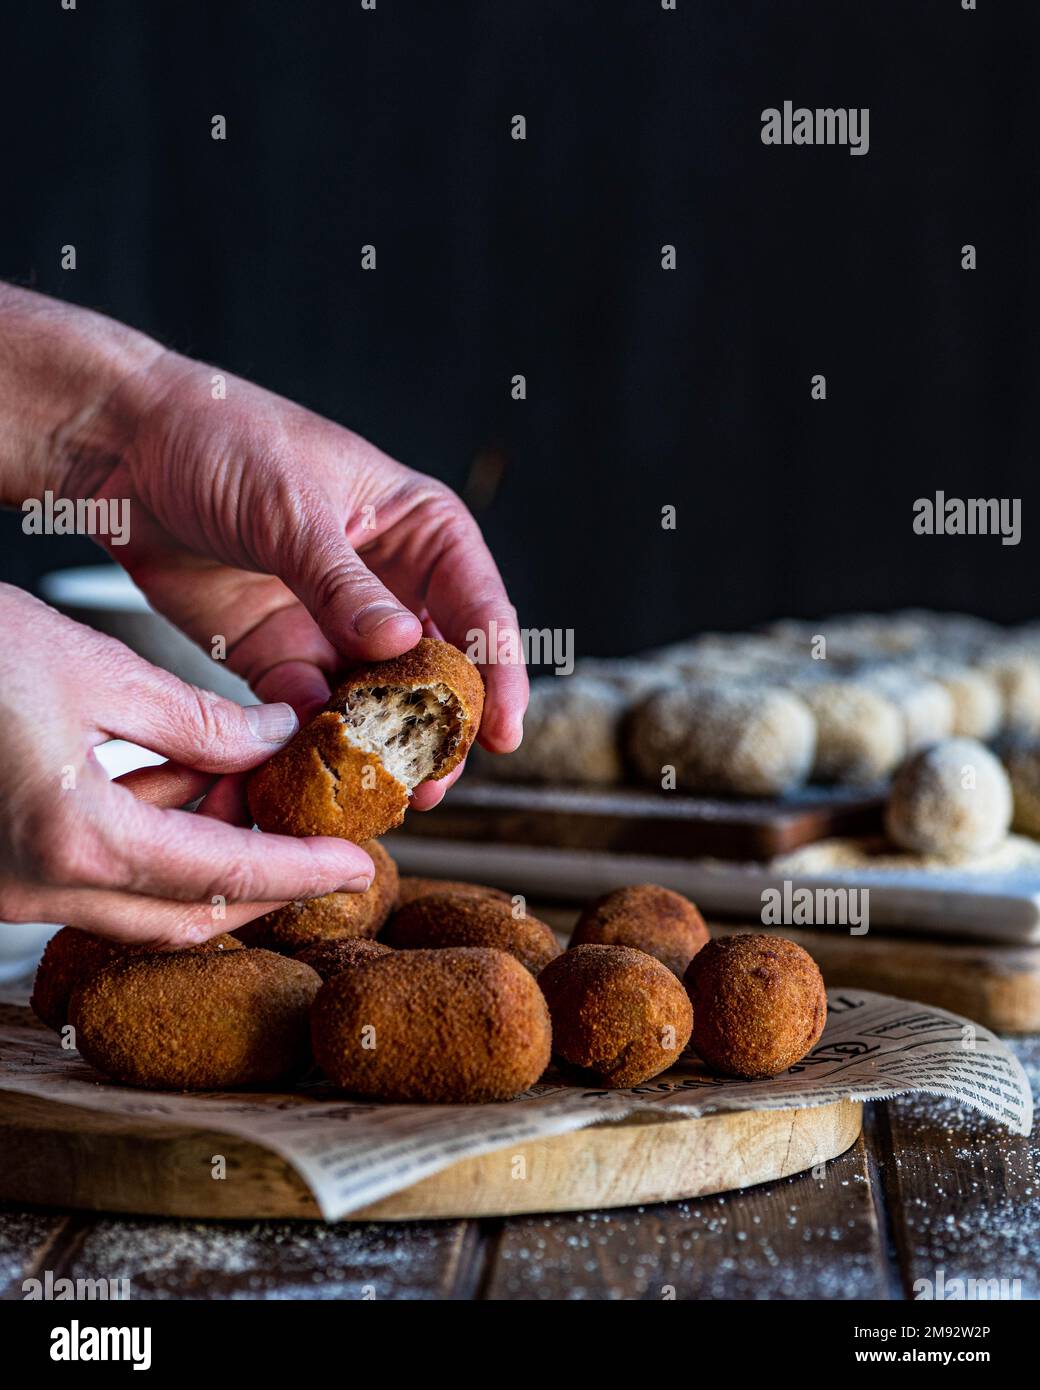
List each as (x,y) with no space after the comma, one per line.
(375,615)
(271,723)
(356,885)
(512,735)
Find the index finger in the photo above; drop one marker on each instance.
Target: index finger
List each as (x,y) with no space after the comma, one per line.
(468,601)
(141,848)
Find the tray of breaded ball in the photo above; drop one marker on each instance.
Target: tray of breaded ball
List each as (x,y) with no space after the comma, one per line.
(422,993)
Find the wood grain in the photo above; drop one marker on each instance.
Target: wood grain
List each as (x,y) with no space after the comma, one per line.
(964,1193)
(626,821)
(61,1155)
(811,1236)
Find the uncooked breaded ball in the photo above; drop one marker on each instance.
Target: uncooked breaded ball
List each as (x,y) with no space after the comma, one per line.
(978,705)
(755,740)
(570,735)
(1022,763)
(860,734)
(926,706)
(647,918)
(74,956)
(451,919)
(1018,675)
(410,887)
(455,1027)
(759,1005)
(619,1016)
(632,677)
(952,800)
(328,958)
(332,917)
(197,1020)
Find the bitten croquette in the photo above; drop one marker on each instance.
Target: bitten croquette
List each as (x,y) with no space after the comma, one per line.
(197,1020)
(759,1005)
(647,917)
(451,919)
(455,1027)
(386,728)
(619,1016)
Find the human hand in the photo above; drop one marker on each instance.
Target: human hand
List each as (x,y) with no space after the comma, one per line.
(116,857)
(294,543)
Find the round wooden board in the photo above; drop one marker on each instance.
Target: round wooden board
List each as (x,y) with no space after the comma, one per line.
(58,1155)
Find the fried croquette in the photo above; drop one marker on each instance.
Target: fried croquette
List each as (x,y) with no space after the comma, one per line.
(455,1027)
(619,1016)
(453,919)
(385,729)
(647,917)
(73,956)
(758,1005)
(328,958)
(953,800)
(410,887)
(197,1020)
(333,917)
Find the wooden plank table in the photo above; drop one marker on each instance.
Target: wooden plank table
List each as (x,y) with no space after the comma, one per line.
(928,1187)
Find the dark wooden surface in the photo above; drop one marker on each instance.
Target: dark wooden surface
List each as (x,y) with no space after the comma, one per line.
(928,1187)
(625,820)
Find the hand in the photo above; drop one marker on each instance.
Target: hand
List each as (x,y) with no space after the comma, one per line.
(114,856)
(299,545)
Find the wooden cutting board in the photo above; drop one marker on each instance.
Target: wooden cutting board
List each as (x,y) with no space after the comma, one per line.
(626,821)
(59,1155)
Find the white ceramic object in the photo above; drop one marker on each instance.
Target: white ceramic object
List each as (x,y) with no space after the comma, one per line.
(977,907)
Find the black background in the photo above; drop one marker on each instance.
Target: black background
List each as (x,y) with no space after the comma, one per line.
(645,387)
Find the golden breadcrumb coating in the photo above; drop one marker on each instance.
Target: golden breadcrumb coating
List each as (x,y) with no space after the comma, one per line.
(619,1016)
(197,1020)
(759,1004)
(73,956)
(647,917)
(453,919)
(384,729)
(455,1027)
(333,917)
(410,887)
(328,958)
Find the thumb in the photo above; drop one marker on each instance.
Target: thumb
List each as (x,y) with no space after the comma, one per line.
(356,612)
(190,725)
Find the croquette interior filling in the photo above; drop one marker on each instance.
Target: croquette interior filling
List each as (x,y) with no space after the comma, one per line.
(410,731)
